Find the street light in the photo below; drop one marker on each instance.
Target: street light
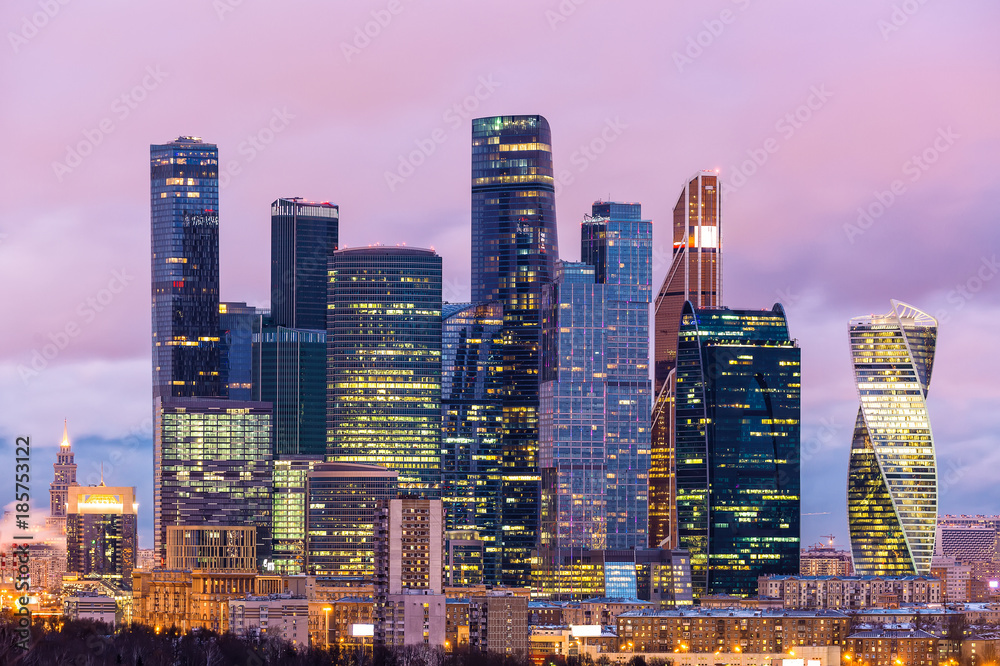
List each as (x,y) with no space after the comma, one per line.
(326,614)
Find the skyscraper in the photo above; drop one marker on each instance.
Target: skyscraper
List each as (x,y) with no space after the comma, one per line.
(101,532)
(384,367)
(472,424)
(892,481)
(514,250)
(303,236)
(212,467)
(64,469)
(618,243)
(238,322)
(343,501)
(695,275)
(595,391)
(289,371)
(737,447)
(184,215)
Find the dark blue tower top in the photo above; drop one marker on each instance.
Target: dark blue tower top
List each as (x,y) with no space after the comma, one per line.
(184,217)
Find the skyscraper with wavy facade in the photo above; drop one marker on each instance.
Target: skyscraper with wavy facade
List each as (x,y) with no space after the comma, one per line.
(892,481)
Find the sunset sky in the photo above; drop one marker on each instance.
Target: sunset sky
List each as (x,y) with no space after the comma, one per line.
(811,111)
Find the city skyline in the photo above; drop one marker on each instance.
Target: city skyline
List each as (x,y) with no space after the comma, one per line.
(818,255)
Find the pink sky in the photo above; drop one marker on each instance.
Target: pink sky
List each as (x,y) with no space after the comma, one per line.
(676,87)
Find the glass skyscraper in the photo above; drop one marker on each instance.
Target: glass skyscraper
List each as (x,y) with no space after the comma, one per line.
(101,532)
(572,454)
(238,322)
(514,250)
(289,371)
(343,500)
(892,483)
(737,447)
(303,236)
(184,216)
(595,391)
(695,275)
(289,508)
(618,243)
(384,362)
(212,467)
(472,425)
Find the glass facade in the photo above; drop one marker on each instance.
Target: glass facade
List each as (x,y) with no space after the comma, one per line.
(892,482)
(472,425)
(238,322)
(289,371)
(184,216)
(384,362)
(737,447)
(619,244)
(572,455)
(101,532)
(212,467)
(514,250)
(303,236)
(695,275)
(288,536)
(343,500)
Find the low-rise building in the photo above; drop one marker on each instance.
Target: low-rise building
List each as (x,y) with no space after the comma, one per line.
(892,647)
(498,623)
(850,592)
(711,630)
(275,615)
(98,608)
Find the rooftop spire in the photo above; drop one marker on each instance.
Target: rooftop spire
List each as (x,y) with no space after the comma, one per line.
(65,439)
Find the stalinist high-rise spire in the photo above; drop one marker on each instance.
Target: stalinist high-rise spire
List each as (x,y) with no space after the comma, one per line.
(65,476)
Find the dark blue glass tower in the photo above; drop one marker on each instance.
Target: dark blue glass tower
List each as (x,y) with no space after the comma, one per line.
(184,216)
(303,236)
(514,250)
(238,322)
(738,447)
(472,424)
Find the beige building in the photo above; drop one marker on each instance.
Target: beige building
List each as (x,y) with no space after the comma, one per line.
(98,608)
(957,578)
(850,592)
(410,605)
(498,623)
(709,631)
(273,615)
(825,560)
(212,548)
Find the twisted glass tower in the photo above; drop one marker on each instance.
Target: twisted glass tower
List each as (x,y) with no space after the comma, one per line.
(892,482)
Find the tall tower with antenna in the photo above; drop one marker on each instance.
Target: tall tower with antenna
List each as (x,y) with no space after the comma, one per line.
(64,470)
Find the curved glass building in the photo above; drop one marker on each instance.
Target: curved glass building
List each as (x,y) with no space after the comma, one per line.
(892,481)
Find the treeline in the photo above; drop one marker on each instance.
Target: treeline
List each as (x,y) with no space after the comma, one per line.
(62,642)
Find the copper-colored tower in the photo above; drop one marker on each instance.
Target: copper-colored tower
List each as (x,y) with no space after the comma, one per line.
(695,275)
